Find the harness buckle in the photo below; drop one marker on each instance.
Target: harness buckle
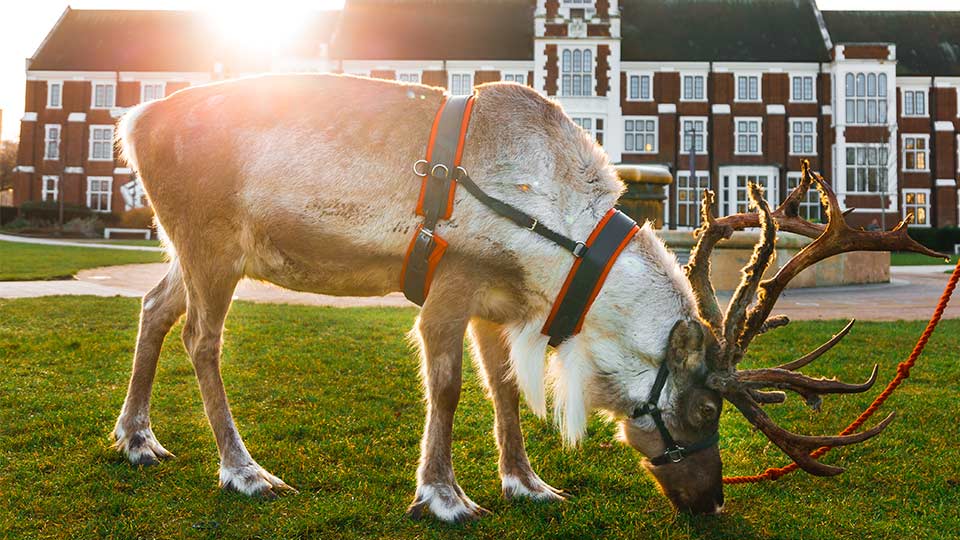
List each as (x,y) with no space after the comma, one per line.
(675,454)
(437,167)
(579,249)
(534,224)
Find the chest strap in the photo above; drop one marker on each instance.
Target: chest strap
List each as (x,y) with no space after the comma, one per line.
(587,275)
(437,189)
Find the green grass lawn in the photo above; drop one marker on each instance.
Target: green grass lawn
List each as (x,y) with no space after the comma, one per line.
(20,261)
(911,259)
(329,400)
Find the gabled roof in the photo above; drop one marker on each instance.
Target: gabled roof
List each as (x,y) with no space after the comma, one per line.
(143,40)
(928,42)
(721,31)
(434,30)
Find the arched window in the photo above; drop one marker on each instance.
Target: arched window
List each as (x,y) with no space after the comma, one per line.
(576,68)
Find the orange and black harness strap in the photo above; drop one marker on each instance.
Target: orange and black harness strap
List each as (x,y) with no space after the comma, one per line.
(441,173)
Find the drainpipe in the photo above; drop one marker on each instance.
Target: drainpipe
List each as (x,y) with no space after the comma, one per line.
(932,163)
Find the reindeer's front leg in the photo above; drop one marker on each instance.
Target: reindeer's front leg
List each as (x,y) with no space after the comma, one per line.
(440,330)
(492,354)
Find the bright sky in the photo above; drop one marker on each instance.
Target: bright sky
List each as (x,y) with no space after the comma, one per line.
(24,24)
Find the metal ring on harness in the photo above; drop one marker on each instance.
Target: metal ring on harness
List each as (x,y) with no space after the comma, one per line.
(446,171)
(416,170)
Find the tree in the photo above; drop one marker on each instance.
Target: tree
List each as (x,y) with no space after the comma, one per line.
(8,161)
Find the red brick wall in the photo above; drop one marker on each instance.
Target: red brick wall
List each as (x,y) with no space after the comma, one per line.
(603,70)
(481,77)
(434,78)
(128,93)
(387,74)
(870,52)
(553,7)
(553,70)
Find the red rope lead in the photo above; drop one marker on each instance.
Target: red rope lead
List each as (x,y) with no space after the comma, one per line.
(903,371)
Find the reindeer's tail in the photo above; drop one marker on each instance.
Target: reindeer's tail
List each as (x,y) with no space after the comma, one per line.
(126,140)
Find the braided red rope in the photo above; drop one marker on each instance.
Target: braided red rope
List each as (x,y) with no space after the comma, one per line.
(903,371)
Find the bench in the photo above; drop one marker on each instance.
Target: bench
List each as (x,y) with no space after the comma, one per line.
(113,230)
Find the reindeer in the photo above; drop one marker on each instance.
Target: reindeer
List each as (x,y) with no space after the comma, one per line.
(303,181)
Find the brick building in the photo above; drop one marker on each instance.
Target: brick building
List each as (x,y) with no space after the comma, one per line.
(747,88)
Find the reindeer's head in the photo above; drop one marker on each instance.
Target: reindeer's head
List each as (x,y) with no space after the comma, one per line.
(702,356)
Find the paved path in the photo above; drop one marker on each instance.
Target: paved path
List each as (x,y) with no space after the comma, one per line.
(74,243)
(912,293)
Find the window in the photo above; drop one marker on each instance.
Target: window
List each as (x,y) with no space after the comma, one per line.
(801,88)
(917,202)
(51,141)
(519,78)
(693,88)
(803,136)
(748,88)
(914,102)
(592,125)
(103,96)
(151,91)
(640,134)
(867,166)
(101,143)
(866,98)
(747,133)
(461,84)
(99,190)
(693,131)
(689,193)
(810,207)
(734,182)
(915,152)
(639,87)
(577,69)
(54,95)
(411,77)
(50,188)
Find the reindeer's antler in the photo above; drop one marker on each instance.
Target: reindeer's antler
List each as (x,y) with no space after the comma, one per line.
(748,313)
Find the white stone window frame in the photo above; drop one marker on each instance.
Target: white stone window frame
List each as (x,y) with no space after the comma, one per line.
(47,140)
(93,94)
(519,77)
(93,142)
(413,76)
(706,132)
(54,192)
(791,134)
(692,206)
(639,75)
(656,134)
(758,134)
(738,97)
(694,75)
(866,98)
(925,92)
(108,193)
(451,77)
(800,99)
(50,85)
(890,168)
(589,73)
(906,207)
(143,90)
(925,151)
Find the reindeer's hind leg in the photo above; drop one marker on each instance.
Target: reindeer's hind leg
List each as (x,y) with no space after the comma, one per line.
(492,354)
(210,279)
(161,308)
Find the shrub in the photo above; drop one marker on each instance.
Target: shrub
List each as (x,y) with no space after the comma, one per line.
(86,226)
(942,239)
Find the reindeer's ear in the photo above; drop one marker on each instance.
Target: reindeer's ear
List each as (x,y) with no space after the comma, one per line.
(685,348)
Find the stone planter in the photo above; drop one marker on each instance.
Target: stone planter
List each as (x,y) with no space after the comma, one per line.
(729,256)
(646,192)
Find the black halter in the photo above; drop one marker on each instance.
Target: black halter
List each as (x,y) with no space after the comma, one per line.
(674,452)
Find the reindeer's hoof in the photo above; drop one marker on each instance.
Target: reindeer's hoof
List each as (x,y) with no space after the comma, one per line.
(141,447)
(446,503)
(530,487)
(252,480)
